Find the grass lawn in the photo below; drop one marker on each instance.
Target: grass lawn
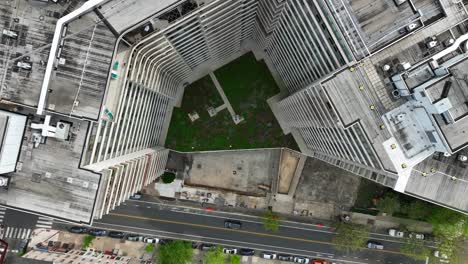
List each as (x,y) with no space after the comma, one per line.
(248,84)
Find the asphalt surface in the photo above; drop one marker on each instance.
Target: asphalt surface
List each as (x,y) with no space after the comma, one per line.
(22,223)
(168,221)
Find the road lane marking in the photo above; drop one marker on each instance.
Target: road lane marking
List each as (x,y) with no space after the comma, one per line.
(223,241)
(287,226)
(177,209)
(245,232)
(211,213)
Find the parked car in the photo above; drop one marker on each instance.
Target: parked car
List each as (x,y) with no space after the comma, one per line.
(151,240)
(284,257)
(246,252)
(269,255)
(207,246)
(396,233)
(441,256)
(374,245)
(135,237)
(116,234)
(233,224)
(77,229)
(230,250)
(417,236)
(303,260)
(97,232)
(136,196)
(319,261)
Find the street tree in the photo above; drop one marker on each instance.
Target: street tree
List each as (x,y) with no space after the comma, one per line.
(350,236)
(235,259)
(415,249)
(215,256)
(417,210)
(271,221)
(450,229)
(175,252)
(389,204)
(149,248)
(87,241)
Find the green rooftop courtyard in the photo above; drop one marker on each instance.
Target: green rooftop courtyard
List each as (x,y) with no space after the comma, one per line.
(248,84)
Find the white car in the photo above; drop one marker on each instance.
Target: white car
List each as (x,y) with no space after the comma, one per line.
(268,255)
(303,260)
(396,233)
(417,236)
(230,250)
(442,257)
(151,240)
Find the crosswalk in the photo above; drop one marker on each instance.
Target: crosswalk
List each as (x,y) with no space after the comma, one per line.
(2,214)
(44,222)
(17,232)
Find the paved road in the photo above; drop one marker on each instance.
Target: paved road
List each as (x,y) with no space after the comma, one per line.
(169,221)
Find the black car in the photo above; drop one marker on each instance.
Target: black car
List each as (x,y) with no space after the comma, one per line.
(116,234)
(77,229)
(97,232)
(246,252)
(207,246)
(285,257)
(233,224)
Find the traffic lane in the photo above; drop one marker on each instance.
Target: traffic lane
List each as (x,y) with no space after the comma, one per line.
(284,240)
(215,241)
(294,232)
(317,225)
(255,219)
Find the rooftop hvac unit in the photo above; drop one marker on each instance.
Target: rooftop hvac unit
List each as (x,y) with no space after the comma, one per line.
(462,158)
(399,2)
(411,27)
(431,44)
(3,181)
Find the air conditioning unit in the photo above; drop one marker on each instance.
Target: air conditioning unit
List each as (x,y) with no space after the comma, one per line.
(431,44)
(411,27)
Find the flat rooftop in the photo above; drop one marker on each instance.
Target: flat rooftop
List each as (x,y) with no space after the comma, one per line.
(369,25)
(34,24)
(48,179)
(370,94)
(79,81)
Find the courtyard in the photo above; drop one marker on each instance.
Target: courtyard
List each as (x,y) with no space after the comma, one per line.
(247,84)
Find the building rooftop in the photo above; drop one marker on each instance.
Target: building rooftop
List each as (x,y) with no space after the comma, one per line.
(371,25)
(408,127)
(33,23)
(79,80)
(47,177)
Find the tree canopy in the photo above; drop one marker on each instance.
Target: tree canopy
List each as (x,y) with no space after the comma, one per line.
(271,221)
(389,204)
(175,252)
(415,249)
(215,256)
(350,236)
(235,259)
(88,241)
